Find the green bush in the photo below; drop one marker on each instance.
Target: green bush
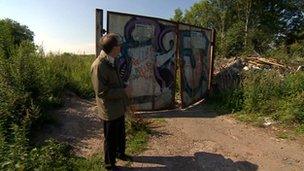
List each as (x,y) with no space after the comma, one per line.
(23,89)
(31,83)
(297,49)
(294,83)
(24,94)
(272,94)
(291,109)
(231,99)
(266,93)
(74,72)
(137,130)
(261,89)
(20,156)
(294,58)
(234,40)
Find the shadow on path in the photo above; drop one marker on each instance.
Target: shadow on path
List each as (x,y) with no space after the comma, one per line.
(75,122)
(200,161)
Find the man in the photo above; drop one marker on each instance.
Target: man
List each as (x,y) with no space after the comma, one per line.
(111,99)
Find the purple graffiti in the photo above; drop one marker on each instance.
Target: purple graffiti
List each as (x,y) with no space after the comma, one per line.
(131,26)
(164,72)
(161,41)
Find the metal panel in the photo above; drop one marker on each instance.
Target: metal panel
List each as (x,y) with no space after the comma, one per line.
(195,54)
(98,30)
(212,52)
(148,58)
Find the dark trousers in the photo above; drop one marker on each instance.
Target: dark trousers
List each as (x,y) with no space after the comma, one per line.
(114,139)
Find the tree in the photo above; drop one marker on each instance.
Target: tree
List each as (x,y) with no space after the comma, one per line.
(178,15)
(215,14)
(12,34)
(246,25)
(292,30)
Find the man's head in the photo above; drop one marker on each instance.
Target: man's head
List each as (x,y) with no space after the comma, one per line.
(111,44)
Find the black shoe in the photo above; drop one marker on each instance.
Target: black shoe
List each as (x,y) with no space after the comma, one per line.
(124,157)
(111,167)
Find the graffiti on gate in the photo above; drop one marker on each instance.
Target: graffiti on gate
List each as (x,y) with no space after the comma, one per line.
(147,60)
(194,51)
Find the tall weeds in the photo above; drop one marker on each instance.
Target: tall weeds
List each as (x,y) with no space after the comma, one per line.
(267,94)
(31,83)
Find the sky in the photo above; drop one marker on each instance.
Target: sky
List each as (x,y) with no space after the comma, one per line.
(69,25)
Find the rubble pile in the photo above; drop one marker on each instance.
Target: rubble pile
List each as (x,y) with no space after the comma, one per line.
(228,74)
(264,63)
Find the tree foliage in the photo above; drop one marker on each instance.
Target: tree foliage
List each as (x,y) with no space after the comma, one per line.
(12,34)
(178,15)
(246,25)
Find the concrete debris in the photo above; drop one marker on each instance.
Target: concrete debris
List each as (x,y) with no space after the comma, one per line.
(300,68)
(229,73)
(260,63)
(228,76)
(268,121)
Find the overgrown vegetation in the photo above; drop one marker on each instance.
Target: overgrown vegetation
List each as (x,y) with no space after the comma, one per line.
(73,71)
(138,131)
(267,94)
(30,84)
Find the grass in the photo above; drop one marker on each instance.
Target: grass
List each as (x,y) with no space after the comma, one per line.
(74,71)
(283,135)
(160,120)
(255,119)
(137,142)
(93,163)
(138,131)
(300,129)
(266,94)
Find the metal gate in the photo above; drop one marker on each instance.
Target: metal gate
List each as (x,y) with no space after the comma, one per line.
(149,56)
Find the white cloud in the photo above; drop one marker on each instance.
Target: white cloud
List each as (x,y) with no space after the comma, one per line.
(54,44)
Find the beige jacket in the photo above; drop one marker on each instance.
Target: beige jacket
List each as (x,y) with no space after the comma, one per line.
(110,95)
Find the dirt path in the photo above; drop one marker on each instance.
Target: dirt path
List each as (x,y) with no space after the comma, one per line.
(76,124)
(194,139)
(197,139)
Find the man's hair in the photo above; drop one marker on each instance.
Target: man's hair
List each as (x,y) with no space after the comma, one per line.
(109,41)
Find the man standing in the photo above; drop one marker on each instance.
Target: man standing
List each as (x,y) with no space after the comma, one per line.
(111,99)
